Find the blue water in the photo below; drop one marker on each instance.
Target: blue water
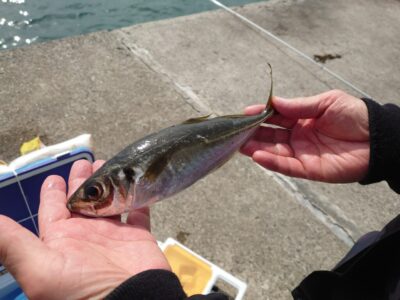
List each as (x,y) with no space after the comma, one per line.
(24,22)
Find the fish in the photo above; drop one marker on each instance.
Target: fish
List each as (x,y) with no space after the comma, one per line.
(164,163)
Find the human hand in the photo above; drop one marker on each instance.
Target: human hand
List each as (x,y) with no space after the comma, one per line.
(76,257)
(323,137)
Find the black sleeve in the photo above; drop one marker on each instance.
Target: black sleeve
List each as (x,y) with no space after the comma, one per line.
(384,130)
(155,285)
(373,273)
(371,270)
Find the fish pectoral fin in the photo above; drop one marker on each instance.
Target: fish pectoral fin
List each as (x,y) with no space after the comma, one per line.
(158,165)
(196,120)
(156,168)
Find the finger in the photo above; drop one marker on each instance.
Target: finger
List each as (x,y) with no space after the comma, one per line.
(298,108)
(80,171)
(78,215)
(275,119)
(281,121)
(20,249)
(304,107)
(272,135)
(257,108)
(97,164)
(140,217)
(52,206)
(254,109)
(282,164)
(280,149)
(265,138)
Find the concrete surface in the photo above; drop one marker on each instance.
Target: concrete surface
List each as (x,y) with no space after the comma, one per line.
(224,62)
(268,230)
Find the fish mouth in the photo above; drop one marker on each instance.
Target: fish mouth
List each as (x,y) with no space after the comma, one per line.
(82,207)
(95,209)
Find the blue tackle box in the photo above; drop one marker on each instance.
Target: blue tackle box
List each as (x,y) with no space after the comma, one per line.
(19,200)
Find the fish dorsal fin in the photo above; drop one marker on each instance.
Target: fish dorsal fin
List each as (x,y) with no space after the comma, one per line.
(197,120)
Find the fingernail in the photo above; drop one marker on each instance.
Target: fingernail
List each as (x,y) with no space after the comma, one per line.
(54,182)
(50,183)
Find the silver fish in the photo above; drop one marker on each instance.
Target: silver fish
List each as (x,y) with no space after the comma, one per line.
(164,163)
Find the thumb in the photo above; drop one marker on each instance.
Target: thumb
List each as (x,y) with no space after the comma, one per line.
(19,248)
(303,107)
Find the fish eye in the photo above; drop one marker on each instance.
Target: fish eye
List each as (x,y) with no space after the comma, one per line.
(93,192)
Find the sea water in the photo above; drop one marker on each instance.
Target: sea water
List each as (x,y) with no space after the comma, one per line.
(23,22)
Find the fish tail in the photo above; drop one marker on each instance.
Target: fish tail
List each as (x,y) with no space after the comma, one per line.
(268,110)
(268,107)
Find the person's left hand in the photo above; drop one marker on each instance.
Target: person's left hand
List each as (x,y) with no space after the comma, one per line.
(76,257)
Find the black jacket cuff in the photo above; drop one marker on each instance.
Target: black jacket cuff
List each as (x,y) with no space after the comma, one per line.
(149,285)
(155,285)
(384,163)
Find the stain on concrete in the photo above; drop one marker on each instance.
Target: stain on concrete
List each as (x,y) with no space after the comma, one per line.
(182,236)
(322,58)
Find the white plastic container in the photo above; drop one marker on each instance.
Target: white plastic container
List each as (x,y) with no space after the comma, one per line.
(197,274)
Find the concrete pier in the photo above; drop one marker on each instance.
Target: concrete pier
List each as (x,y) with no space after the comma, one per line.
(268,230)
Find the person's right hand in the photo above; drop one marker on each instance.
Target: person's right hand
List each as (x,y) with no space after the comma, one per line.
(323,137)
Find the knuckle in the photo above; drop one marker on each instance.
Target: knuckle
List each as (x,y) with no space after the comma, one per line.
(336,93)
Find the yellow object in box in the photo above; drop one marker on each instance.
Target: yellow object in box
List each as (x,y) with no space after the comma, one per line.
(193,273)
(198,275)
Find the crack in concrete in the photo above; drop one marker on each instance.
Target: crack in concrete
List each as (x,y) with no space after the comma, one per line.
(318,212)
(265,32)
(189,96)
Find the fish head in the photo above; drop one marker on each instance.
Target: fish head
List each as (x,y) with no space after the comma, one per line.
(100,196)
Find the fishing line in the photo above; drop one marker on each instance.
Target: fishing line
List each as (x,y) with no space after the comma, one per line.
(297,51)
(25,199)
